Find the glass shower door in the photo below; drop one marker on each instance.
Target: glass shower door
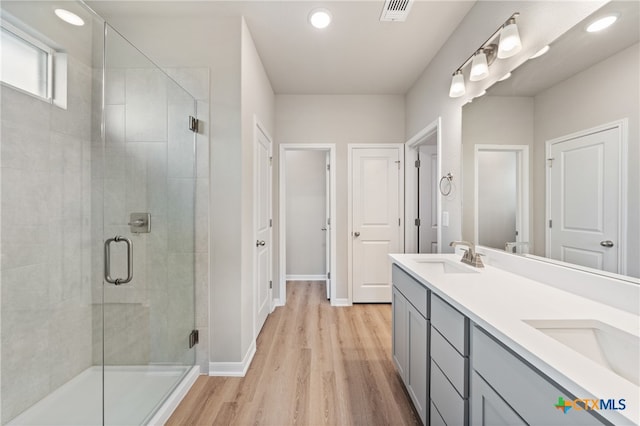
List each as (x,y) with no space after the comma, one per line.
(148,219)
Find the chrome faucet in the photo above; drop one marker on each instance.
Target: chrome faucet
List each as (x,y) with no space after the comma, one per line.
(470,256)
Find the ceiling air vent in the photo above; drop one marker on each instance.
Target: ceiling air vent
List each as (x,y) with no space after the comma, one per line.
(396,10)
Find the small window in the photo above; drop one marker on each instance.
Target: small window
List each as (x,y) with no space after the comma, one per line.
(26,63)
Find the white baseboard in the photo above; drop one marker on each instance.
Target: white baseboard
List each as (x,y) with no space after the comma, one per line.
(162,415)
(340,302)
(233,369)
(275,303)
(306,277)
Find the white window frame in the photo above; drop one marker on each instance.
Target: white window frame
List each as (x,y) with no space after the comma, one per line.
(50,52)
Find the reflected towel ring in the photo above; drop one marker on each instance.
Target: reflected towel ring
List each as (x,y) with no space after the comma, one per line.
(449,178)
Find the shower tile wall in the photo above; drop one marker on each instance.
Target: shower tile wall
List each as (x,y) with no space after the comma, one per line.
(45,238)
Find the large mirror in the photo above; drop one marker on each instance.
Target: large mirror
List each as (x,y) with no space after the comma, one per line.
(551,155)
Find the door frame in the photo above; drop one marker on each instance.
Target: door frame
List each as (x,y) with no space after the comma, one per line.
(401,213)
(259,127)
(411,184)
(329,148)
(623,127)
(522,202)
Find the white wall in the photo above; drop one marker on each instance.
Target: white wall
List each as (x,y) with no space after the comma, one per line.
(491,120)
(257,103)
(606,92)
(540,22)
(305,212)
(339,119)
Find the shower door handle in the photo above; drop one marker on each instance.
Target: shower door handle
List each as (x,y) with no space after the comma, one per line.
(107,260)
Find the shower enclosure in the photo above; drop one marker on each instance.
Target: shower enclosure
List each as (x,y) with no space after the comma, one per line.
(97,223)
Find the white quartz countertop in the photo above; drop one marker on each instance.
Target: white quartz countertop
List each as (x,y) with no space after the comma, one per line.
(500,301)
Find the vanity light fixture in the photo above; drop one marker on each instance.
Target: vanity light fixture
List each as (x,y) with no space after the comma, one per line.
(320,18)
(457,85)
(602,23)
(69,17)
(509,44)
(479,66)
(541,52)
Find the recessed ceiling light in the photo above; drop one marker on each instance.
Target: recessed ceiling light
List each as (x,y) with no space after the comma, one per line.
(541,52)
(320,18)
(602,23)
(69,17)
(506,76)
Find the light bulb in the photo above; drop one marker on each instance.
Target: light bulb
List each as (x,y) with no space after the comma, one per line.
(320,18)
(457,85)
(69,17)
(479,67)
(510,43)
(602,23)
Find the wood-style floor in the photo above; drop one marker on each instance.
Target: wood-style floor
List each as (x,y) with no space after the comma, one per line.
(314,365)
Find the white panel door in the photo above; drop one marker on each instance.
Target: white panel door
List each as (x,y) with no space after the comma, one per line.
(584,186)
(327,223)
(262,203)
(376,225)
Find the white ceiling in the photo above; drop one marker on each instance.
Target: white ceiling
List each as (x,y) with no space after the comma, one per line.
(356,54)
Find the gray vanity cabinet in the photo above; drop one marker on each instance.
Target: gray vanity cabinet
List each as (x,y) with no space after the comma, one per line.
(449,355)
(505,390)
(411,338)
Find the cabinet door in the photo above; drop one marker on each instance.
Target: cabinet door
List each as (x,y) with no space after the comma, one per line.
(418,361)
(488,408)
(400,326)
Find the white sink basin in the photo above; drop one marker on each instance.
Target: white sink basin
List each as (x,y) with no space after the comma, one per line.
(610,347)
(443,266)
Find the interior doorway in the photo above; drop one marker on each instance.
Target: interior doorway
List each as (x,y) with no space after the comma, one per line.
(423,233)
(307,214)
(501,207)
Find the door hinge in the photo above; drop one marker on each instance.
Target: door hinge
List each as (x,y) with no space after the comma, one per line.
(270,161)
(270,284)
(328,275)
(193,338)
(417,221)
(328,166)
(328,221)
(550,160)
(270,223)
(550,223)
(398,221)
(398,163)
(417,164)
(193,124)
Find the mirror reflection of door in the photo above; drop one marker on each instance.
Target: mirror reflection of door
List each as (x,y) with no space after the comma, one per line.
(584,175)
(501,184)
(427,199)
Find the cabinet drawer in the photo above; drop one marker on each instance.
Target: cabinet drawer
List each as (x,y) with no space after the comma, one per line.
(447,401)
(450,323)
(452,364)
(415,292)
(524,389)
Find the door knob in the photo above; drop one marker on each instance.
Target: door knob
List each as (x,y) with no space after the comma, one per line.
(356,234)
(260,243)
(323,229)
(607,243)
